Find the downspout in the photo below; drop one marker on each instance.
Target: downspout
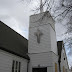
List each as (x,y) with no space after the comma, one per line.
(59,61)
(59,66)
(28,65)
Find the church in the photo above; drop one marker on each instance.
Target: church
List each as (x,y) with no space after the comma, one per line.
(41,53)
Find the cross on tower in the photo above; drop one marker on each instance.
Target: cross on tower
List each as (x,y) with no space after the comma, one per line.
(41,6)
(38,34)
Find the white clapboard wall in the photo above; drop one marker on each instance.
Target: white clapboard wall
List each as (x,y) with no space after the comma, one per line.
(64,62)
(43,60)
(48,39)
(6,60)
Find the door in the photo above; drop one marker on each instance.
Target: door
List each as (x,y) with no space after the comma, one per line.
(39,69)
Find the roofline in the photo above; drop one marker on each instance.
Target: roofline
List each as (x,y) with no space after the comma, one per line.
(14,53)
(13,30)
(46,12)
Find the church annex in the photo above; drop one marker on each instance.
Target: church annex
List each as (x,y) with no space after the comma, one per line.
(41,53)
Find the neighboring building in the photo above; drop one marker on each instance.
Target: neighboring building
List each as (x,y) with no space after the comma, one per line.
(63,62)
(42,53)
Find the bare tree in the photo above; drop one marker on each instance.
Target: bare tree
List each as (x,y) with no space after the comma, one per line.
(60,10)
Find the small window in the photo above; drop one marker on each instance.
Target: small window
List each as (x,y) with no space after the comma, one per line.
(64,58)
(16,66)
(13,64)
(19,66)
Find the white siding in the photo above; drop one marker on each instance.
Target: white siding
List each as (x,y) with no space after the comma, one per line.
(53,40)
(6,62)
(48,39)
(36,20)
(44,60)
(45,44)
(55,60)
(64,62)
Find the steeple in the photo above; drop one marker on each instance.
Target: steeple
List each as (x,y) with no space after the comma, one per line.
(41,6)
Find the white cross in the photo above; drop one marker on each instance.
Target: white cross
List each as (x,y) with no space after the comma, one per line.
(41,6)
(38,34)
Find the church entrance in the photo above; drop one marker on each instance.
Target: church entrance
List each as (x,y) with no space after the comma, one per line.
(39,69)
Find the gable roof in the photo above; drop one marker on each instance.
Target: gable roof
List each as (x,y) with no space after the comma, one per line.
(13,42)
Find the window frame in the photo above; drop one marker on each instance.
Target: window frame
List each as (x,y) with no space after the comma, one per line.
(16,66)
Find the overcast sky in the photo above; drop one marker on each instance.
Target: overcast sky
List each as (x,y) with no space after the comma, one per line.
(15,14)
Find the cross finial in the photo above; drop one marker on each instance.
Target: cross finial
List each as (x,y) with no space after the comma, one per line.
(41,6)
(38,34)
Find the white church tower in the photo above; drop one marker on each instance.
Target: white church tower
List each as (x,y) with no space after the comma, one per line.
(42,45)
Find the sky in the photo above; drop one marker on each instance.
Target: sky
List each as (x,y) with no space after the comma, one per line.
(15,14)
